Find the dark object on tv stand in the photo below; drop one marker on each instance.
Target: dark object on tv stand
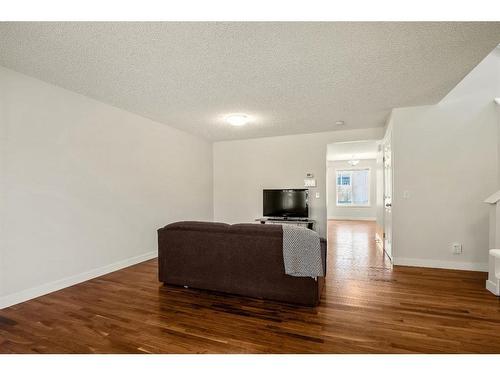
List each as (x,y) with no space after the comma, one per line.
(308,223)
(245,259)
(286,218)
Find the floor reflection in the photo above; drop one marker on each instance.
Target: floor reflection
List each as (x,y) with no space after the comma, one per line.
(352,249)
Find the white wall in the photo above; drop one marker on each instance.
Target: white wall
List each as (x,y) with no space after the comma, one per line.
(3,140)
(85,186)
(351,213)
(446,157)
(379,202)
(243,168)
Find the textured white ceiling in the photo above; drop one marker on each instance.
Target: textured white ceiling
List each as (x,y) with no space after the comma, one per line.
(291,77)
(352,150)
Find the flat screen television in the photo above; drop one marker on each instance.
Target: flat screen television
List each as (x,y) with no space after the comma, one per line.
(286,203)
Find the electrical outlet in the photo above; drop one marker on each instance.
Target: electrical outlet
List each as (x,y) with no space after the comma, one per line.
(457,248)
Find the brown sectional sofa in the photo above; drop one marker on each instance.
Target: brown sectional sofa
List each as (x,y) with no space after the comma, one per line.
(244,259)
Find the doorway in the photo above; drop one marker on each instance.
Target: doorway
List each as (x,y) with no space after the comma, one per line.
(357,173)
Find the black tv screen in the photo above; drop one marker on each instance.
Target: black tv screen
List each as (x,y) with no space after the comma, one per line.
(286,203)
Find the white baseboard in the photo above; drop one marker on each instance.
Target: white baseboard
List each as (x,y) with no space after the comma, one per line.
(27,294)
(433,263)
(362,218)
(492,287)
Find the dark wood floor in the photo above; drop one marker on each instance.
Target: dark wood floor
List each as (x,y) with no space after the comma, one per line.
(367,307)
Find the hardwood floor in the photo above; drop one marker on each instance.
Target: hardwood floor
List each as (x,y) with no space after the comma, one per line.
(367,307)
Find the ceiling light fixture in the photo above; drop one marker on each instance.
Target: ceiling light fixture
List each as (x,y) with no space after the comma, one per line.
(339,123)
(353,162)
(237,119)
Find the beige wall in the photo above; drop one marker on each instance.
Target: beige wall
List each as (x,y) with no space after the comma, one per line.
(446,158)
(85,185)
(243,168)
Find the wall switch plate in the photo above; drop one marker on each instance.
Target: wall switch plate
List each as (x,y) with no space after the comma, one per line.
(317,195)
(457,248)
(406,194)
(310,182)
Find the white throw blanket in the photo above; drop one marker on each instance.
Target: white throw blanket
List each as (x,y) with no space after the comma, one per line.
(301,252)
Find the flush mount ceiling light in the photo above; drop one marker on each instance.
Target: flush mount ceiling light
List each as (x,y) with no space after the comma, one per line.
(237,119)
(353,161)
(339,123)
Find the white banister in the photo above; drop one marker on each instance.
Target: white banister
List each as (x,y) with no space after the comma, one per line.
(494,198)
(493,284)
(495,253)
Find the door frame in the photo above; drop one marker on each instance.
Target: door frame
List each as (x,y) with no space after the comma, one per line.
(388,224)
(373,200)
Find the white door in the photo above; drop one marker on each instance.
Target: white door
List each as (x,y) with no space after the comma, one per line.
(387,160)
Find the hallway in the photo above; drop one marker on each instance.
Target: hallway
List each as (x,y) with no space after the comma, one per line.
(352,247)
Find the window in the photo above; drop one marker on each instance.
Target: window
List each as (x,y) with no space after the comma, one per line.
(353,187)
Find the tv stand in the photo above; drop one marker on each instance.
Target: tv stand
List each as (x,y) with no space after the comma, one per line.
(308,223)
